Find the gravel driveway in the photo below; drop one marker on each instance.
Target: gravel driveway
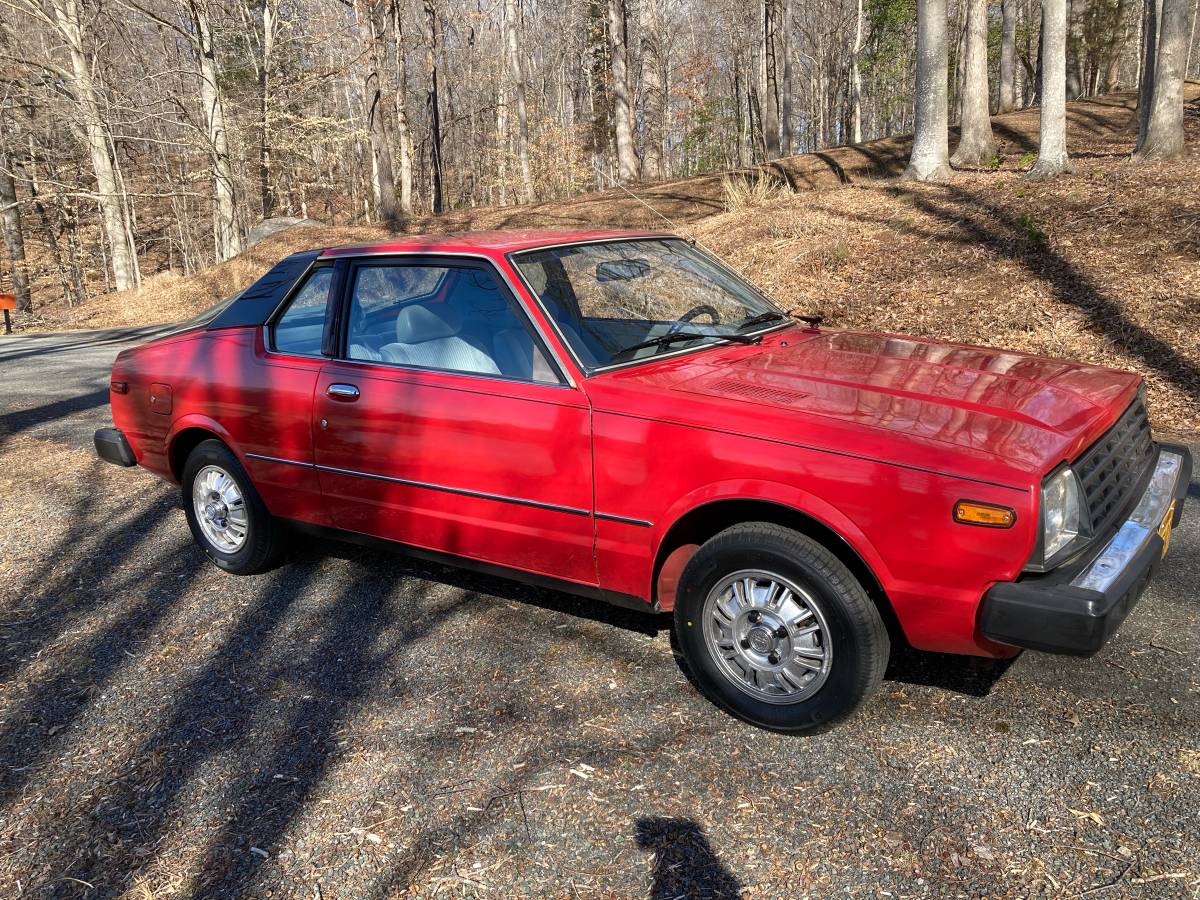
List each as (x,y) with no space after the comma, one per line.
(354,724)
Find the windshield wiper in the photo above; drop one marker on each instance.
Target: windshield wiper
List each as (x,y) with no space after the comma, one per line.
(770,316)
(673,337)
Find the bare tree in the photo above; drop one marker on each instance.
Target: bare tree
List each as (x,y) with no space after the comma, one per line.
(618,42)
(516,74)
(1149,53)
(931,142)
(435,118)
(403,135)
(269,25)
(975,146)
(1162,137)
(653,90)
(788,87)
(227,235)
(768,73)
(10,221)
(378,97)
(1008,57)
(1052,139)
(68,22)
(856,78)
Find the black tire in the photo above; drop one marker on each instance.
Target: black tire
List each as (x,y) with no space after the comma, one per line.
(857,639)
(260,548)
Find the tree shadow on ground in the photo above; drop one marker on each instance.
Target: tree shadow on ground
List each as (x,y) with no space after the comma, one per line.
(685,864)
(25,419)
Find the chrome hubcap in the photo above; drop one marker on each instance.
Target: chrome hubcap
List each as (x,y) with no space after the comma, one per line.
(768,636)
(220,509)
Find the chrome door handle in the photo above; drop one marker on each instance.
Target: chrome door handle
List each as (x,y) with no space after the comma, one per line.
(347,393)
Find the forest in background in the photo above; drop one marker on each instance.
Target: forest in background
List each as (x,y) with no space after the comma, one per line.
(140,136)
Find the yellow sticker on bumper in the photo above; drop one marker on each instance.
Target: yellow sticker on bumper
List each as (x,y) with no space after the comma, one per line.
(1164,528)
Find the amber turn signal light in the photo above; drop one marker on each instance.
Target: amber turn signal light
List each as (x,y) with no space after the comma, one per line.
(972,512)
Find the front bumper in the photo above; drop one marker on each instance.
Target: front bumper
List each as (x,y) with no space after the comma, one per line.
(111,446)
(1076,608)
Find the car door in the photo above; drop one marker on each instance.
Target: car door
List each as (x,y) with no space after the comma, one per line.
(444,423)
(266,405)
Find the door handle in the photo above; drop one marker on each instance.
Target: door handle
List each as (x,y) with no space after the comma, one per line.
(347,393)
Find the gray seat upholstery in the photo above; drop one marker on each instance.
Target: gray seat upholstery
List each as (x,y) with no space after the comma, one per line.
(517,356)
(431,337)
(363,351)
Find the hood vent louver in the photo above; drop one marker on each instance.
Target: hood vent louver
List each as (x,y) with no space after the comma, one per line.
(759,392)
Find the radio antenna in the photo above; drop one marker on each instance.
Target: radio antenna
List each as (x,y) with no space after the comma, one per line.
(618,184)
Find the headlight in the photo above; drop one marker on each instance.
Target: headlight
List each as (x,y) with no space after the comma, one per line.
(1061,513)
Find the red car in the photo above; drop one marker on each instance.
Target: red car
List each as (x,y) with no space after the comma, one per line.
(619,415)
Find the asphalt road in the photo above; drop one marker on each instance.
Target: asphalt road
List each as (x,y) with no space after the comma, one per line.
(357,725)
(56,384)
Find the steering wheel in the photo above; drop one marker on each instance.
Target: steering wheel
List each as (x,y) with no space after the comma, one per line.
(701,309)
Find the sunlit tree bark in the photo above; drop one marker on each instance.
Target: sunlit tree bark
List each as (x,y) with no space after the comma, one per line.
(931,142)
(1052,138)
(975,146)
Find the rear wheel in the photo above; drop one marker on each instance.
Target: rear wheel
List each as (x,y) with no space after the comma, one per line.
(227,517)
(777,630)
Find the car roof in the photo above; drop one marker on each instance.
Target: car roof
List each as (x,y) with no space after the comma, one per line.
(489,242)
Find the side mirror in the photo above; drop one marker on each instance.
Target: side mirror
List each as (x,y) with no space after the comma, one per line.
(622,270)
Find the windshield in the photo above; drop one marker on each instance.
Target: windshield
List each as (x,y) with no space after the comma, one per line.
(624,301)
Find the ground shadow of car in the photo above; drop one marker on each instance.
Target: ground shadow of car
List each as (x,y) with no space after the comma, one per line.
(967,675)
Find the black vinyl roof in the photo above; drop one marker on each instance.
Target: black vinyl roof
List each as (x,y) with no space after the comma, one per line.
(254,305)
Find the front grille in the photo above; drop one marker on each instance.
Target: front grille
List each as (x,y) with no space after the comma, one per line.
(1112,469)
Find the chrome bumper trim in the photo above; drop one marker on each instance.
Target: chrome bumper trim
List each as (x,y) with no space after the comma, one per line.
(1137,530)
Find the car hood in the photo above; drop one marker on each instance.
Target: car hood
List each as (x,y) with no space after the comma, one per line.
(1023,412)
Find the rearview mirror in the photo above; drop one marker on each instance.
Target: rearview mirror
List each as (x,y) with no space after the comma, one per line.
(622,270)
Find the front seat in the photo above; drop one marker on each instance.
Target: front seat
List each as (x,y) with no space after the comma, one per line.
(519,357)
(433,340)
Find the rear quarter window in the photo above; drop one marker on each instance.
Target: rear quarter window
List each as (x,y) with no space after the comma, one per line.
(301,327)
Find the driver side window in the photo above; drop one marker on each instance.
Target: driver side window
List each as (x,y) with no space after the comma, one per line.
(450,318)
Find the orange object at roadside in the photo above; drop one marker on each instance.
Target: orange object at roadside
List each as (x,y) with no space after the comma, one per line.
(8,301)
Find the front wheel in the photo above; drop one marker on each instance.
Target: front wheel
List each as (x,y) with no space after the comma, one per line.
(777,630)
(227,517)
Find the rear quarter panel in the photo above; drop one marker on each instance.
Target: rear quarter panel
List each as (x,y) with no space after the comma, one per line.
(225,382)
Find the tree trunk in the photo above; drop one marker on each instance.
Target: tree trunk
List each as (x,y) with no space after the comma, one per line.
(516,67)
(378,96)
(403,136)
(931,142)
(227,237)
(68,20)
(10,219)
(768,86)
(1150,16)
(787,123)
(502,147)
(856,135)
(976,146)
(627,163)
(1117,40)
(1008,57)
(1074,52)
(435,123)
(1052,143)
(1164,123)
(654,104)
(269,15)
